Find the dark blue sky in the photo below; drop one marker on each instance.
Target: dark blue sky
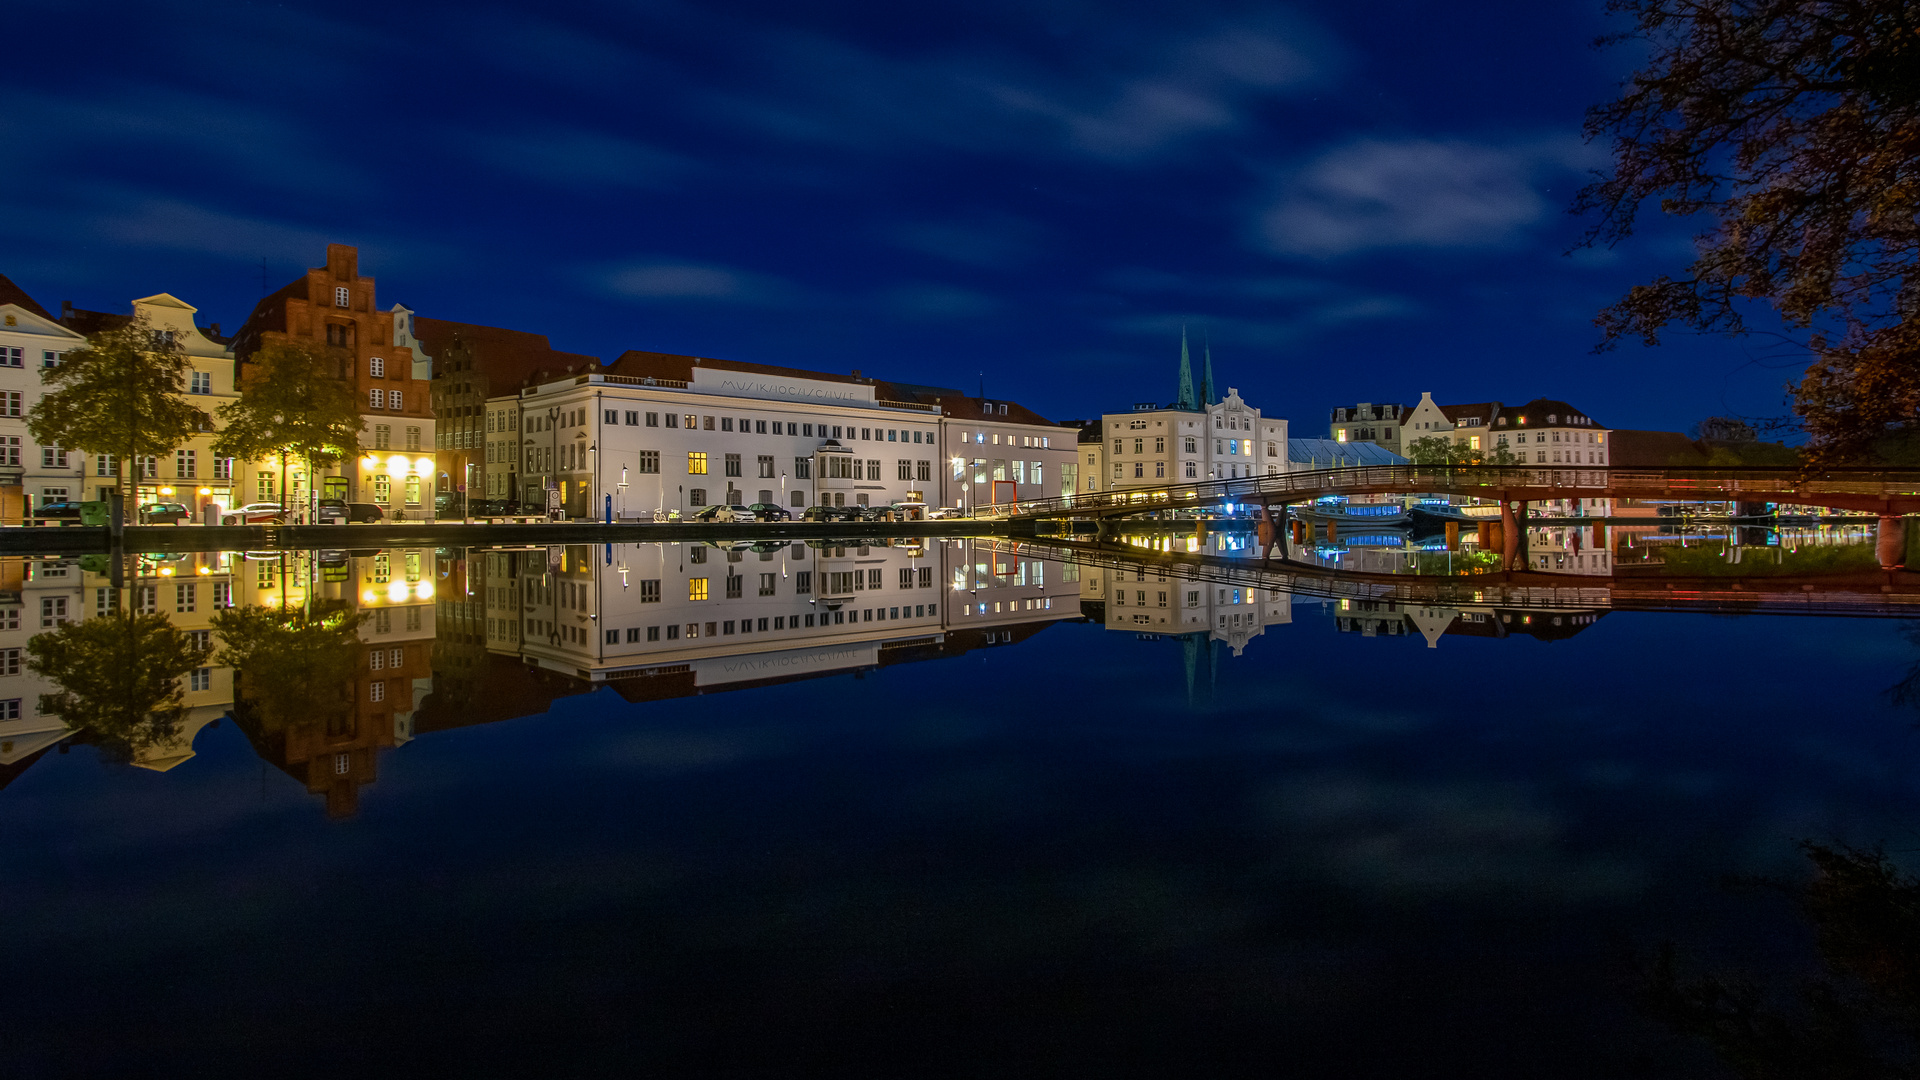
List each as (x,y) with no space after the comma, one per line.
(1356,201)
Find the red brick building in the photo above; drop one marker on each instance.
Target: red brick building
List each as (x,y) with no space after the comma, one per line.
(335,305)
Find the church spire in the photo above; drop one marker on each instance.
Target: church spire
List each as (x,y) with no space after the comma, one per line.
(1207,388)
(1186,374)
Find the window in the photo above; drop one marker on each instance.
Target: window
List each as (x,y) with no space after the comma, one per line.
(382,436)
(766,466)
(696,464)
(185,466)
(377,368)
(185,595)
(609,416)
(767,584)
(802,468)
(382,488)
(923,470)
(803,582)
(413,437)
(53,457)
(376,398)
(340,297)
(10,709)
(696,496)
(413,490)
(733,464)
(201,383)
(926,577)
(12,356)
(1116,471)
(873,469)
(201,679)
(222,594)
(9,618)
(377,690)
(396,400)
(10,450)
(223,468)
(697,588)
(904,469)
(706,423)
(649,461)
(9,661)
(53,611)
(1139,470)
(735,585)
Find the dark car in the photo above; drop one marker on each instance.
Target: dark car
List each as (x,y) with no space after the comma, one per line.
(59,508)
(493,508)
(365,512)
(330,511)
(164,513)
(831,513)
(770,512)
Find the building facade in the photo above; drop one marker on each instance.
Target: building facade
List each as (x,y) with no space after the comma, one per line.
(1224,440)
(1382,425)
(31,339)
(336,305)
(672,434)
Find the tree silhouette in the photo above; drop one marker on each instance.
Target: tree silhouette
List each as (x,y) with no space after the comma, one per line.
(123,393)
(118,676)
(1792,128)
(292,404)
(293,666)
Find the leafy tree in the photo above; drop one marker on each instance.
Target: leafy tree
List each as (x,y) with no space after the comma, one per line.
(123,393)
(292,404)
(297,665)
(118,676)
(1792,128)
(1440,450)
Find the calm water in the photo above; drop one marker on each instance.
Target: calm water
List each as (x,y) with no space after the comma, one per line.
(1020,828)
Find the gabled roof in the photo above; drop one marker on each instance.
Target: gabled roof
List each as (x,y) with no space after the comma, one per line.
(14,294)
(1484,410)
(1537,411)
(82,321)
(508,358)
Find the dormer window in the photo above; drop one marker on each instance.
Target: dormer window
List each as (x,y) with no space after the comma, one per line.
(377,367)
(340,296)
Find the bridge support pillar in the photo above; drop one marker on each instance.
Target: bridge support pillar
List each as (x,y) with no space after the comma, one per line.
(1453,536)
(1890,541)
(1333,532)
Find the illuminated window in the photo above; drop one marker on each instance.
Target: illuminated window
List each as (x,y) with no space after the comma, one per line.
(696,463)
(696,589)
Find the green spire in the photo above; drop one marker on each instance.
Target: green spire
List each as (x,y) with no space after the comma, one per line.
(1186,374)
(1207,388)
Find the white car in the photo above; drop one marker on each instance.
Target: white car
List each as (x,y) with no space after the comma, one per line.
(726,514)
(939,512)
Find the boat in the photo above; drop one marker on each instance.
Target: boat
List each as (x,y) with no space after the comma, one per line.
(1351,515)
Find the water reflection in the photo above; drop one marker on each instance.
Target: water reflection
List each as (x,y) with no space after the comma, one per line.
(327,659)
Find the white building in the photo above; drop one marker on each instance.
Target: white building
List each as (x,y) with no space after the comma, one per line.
(1223,440)
(666,435)
(31,339)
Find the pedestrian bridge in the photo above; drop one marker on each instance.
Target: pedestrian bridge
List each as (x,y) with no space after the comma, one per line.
(1872,490)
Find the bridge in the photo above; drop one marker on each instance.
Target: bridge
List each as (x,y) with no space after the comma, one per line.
(1883,491)
(1882,594)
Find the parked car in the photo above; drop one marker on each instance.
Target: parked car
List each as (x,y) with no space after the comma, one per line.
(330,512)
(725,514)
(365,512)
(905,511)
(494,508)
(770,512)
(165,513)
(831,513)
(940,512)
(57,509)
(262,513)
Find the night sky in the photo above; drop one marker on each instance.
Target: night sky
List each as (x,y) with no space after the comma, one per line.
(1353,202)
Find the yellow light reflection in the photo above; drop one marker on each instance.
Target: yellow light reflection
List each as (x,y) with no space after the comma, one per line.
(425,591)
(369,596)
(423,466)
(397,465)
(397,591)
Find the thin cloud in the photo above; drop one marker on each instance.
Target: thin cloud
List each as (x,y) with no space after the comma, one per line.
(579,158)
(1375,194)
(996,241)
(941,302)
(669,280)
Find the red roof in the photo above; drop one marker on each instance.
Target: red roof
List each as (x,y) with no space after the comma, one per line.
(14,294)
(508,358)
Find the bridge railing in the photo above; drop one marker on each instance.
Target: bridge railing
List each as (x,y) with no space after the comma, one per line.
(1485,481)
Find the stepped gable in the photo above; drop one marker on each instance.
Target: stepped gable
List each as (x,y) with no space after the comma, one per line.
(14,294)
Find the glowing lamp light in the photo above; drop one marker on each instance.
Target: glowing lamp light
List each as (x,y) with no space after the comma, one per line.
(369,462)
(423,466)
(424,591)
(397,591)
(166,571)
(166,491)
(369,596)
(397,464)
(205,570)
(206,491)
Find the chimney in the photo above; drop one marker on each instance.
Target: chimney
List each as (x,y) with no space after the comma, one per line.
(856,373)
(66,308)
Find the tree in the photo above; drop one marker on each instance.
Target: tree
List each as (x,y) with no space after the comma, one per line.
(118,676)
(123,393)
(292,404)
(298,665)
(1792,127)
(1440,450)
